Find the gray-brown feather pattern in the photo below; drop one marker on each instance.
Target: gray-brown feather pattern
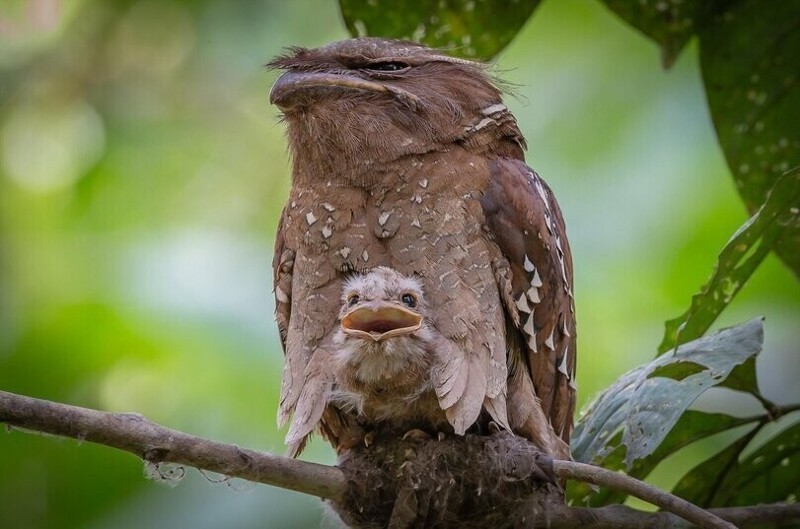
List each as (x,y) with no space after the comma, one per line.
(437,190)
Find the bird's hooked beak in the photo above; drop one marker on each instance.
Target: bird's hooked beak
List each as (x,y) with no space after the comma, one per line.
(379,320)
(294,89)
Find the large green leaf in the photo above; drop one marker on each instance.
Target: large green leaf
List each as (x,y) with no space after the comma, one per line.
(776,220)
(751,68)
(700,484)
(645,403)
(750,65)
(470,28)
(670,24)
(769,474)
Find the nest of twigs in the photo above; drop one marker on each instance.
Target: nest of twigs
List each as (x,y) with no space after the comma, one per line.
(497,481)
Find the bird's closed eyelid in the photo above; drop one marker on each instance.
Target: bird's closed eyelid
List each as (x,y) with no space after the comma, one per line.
(392,66)
(385,65)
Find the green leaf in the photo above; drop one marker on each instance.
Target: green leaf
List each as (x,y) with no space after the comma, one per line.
(750,69)
(770,474)
(700,484)
(644,407)
(750,65)
(469,28)
(777,219)
(669,24)
(692,426)
(767,475)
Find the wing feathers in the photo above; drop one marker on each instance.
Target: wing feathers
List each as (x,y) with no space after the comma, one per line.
(534,274)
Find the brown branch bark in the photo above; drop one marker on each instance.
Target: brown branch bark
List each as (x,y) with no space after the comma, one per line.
(155,444)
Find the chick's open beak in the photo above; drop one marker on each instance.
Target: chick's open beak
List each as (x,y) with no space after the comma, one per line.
(380,320)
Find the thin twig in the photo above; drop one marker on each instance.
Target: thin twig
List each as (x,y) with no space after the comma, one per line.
(634,487)
(156,444)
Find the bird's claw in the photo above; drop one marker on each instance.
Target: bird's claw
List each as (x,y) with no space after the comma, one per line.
(369,438)
(416,435)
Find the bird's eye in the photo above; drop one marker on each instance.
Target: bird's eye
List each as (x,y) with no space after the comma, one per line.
(352,300)
(409,300)
(387,66)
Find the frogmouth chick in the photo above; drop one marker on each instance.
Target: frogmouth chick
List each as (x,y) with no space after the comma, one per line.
(385,350)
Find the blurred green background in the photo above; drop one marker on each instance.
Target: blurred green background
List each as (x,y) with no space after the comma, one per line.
(142,172)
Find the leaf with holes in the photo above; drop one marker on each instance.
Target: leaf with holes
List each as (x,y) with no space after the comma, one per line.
(469,28)
(777,219)
(645,403)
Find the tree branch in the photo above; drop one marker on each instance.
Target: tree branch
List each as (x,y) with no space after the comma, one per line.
(156,444)
(634,487)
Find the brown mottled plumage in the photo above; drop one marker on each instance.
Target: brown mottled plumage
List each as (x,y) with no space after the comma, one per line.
(406,158)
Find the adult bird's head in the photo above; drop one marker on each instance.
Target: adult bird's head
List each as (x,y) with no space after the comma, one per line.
(352,105)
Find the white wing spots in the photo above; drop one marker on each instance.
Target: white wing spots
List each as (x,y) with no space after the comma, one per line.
(533,295)
(423,183)
(522,304)
(384,217)
(481,124)
(548,223)
(365,255)
(416,223)
(281,296)
(564,328)
(529,330)
(542,193)
(536,281)
(311,218)
(532,344)
(559,247)
(497,107)
(564,277)
(572,382)
(327,231)
(484,122)
(328,207)
(344,252)
(528,265)
(549,342)
(562,367)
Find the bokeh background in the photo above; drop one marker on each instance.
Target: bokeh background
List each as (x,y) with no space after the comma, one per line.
(142,172)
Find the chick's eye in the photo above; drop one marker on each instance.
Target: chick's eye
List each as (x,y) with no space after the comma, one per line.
(352,300)
(388,66)
(409,300)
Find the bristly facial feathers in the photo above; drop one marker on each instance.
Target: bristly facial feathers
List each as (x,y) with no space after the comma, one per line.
(344,126)
(406,158)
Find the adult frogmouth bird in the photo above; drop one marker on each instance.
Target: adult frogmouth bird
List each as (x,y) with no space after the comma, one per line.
(407,158)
